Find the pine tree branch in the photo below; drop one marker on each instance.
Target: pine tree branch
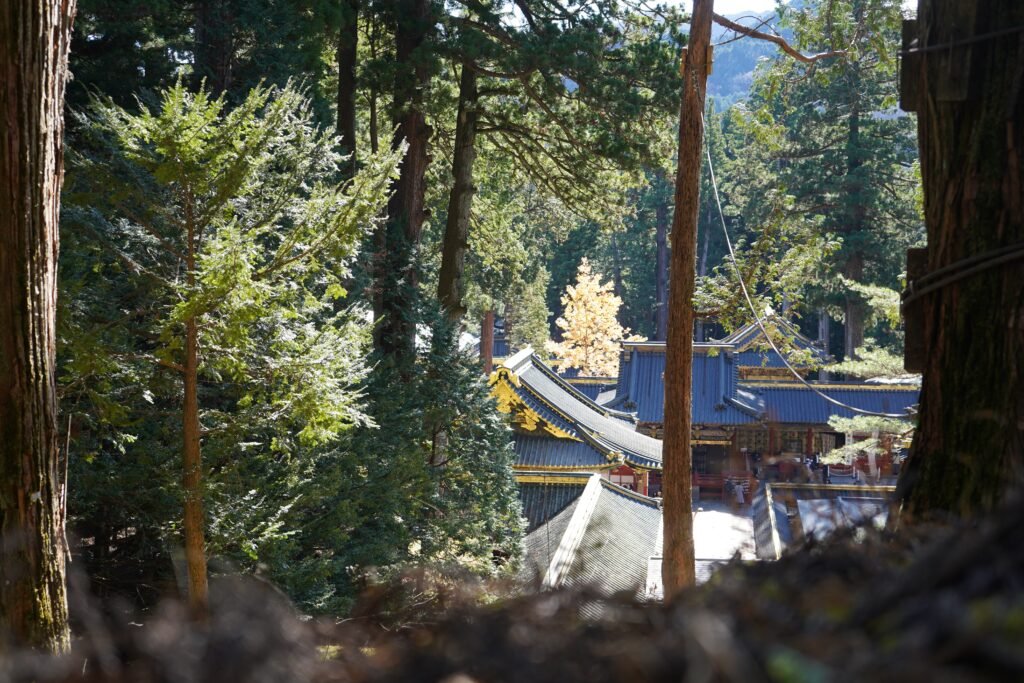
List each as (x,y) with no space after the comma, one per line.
(778,40)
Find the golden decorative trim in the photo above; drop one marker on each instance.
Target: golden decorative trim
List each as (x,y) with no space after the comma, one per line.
(510,403)
(835,386)
(589,381)
(523,475)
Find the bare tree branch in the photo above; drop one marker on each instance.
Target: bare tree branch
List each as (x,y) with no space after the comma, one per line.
(778,40)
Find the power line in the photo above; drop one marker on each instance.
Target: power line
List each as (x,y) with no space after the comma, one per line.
(753,309)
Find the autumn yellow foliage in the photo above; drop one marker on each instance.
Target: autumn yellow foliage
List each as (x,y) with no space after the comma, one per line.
(590,326)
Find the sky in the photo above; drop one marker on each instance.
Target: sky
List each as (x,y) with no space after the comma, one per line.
(738,6)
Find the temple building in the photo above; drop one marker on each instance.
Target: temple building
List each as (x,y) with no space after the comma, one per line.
(589,464)
(560,429)
(747,402)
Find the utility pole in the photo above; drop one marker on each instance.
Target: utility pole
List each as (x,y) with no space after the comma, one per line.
(678,563)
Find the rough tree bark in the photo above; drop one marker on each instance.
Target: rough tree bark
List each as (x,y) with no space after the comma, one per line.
(451,286)
(661,265)
(34,39)
(193,523)
(969,447)
(678,562)
(397,277)
(487,341)
(348,42)
(856,220)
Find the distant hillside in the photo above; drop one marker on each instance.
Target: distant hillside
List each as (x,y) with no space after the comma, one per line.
(735,62)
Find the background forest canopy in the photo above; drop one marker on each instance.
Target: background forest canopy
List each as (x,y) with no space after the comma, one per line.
(535,136)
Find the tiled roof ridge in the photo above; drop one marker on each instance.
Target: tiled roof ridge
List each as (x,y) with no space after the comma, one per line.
(629,493)
(563,557)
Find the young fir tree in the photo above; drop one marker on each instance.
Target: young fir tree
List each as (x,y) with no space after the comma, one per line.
(590,327)
(225,233)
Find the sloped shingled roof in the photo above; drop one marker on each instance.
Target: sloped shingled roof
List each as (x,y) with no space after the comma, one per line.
(602,539)
(610,432)
(721,398)
(548,452)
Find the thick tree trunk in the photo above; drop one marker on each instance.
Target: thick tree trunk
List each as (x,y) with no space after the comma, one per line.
(348,42)
(34,39)
(451,286)
(968,450)
(678,563)
(856,220)
(661,264)
(214,44)
(854,317)
(487,341)
(397,278)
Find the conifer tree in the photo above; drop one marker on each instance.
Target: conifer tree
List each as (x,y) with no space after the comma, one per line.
(226,230)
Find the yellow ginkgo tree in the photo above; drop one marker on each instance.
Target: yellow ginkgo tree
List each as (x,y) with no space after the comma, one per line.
(590,327)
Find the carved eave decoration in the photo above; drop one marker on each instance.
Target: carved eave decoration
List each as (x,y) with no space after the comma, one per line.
(503,387)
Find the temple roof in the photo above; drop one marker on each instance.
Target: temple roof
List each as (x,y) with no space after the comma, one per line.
(544,403)
(547,452)
(604,539)
(721,396)
(545,494)
(820,509)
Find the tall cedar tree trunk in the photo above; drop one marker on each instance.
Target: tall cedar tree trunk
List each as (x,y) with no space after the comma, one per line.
(661,264)
(451,286)
(214,44)
(397,278)
(348,42)
(969,447)
(857,218)
(678,563)
(487,341)
(192,462)
(34,39)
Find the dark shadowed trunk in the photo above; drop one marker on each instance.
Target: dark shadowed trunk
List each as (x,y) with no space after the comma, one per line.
(214,44)
(397,278)
(487,341)
(853,323)
(856,221)
(969,447)
(678,563)
(824,330)
(348,42)
(617,287)
(451,286)
(661,221)
(34,39)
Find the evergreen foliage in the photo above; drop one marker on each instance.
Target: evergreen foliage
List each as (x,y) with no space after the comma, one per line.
(228,222)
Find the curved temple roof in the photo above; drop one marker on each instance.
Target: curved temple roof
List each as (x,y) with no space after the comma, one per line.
(604,537)
(551,404)
(733,384)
